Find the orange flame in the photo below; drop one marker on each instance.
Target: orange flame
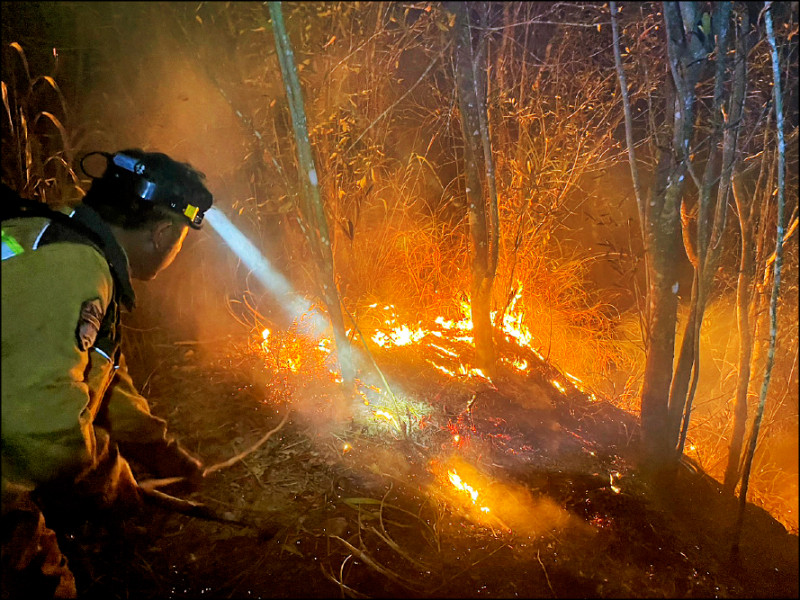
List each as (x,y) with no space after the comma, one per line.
(460,484)
(388,416)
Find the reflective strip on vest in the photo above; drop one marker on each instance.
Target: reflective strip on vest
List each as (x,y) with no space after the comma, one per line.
(39,237)
(101,353)
(11,247)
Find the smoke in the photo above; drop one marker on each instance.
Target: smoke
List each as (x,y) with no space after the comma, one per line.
(502,504)
(263,270)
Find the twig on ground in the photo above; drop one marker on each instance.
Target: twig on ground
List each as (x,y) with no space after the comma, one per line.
(201,511)
(253,448)
(546,576)
(367,559)
(151,484)
(342,586)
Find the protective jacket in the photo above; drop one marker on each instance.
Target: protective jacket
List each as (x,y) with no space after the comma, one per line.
(66,391)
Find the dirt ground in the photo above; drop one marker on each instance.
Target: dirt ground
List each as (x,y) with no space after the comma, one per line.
(334,507)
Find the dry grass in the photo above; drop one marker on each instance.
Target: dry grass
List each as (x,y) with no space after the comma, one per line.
(39,142)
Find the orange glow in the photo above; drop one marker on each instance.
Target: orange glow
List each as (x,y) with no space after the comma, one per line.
(399,336)
(580,385)
(460,484)
(513,324)
(387,416)
(614,488)
(519,364)
(464,487)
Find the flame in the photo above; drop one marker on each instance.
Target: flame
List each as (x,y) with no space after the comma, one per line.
(614,488)
(388,416)
(295,354)
(459,330)
(444,324)
(518,363)
(444,370)
(464,487)
(381,339)
(399,336)
(460,484)
(444,350)
(580,385)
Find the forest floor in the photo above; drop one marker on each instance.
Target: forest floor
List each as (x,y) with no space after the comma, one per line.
(338,505)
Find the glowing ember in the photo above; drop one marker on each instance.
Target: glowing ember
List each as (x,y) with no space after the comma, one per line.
(399,336)
(444,350)
(347,447)
(614,488)
(465,324)
(558,386)
(580,385)
(265,334)
(444,370)
(519,364)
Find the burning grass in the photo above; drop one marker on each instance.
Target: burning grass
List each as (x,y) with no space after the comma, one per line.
(458,487)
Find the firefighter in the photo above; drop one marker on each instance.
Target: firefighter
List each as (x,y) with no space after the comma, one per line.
(71,416)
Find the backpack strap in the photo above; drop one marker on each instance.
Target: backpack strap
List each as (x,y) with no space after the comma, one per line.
(84,226)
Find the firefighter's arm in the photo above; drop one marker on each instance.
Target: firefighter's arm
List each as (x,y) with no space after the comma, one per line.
(142,436)
(46,414)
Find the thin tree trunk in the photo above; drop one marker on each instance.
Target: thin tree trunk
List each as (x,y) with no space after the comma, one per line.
(626,104)
(776,279)
(709,231)
(744,283)
(313,210)
(470,105)
(662,236)
(688,360)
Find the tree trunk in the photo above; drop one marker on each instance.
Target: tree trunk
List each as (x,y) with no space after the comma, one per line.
(311,207)
(472,106)
(662,245)
(662,233)
(776,278)
(708,231)
(744,286)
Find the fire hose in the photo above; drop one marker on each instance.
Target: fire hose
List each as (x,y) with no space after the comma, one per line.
(149,491)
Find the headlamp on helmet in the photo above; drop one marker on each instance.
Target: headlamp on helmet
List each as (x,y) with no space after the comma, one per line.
(187,197)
